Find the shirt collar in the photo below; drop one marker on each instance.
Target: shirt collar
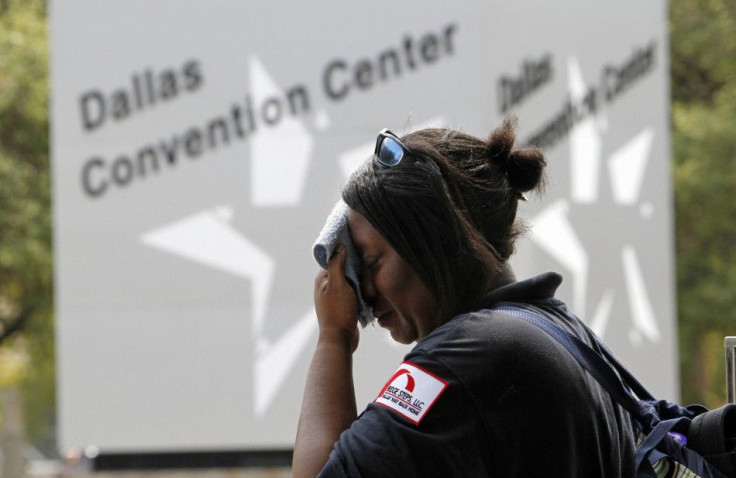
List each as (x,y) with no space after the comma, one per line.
(539,287)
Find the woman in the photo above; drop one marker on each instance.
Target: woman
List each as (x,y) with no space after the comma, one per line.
(433,218)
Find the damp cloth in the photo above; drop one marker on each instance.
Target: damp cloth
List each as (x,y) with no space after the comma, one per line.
(335,232)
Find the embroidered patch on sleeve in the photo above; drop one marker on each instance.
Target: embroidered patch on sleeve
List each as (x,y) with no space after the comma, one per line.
(411,392)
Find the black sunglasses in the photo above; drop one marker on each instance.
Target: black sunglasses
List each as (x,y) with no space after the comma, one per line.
(389,150)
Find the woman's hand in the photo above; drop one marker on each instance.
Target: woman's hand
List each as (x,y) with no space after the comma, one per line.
(336,302)
(328,407)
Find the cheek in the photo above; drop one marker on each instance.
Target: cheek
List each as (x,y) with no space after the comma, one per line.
(387,279)
(401,286)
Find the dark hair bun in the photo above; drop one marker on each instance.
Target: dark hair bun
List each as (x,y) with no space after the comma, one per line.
(502,140)
(524,167)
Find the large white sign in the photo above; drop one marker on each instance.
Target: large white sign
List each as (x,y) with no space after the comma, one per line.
(198,147)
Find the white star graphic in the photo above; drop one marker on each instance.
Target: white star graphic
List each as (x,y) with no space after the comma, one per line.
(208,238)
(554,231)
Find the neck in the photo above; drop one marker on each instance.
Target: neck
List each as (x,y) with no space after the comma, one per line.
(505,275)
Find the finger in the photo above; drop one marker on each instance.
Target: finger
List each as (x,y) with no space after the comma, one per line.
(336,265)
(321,279)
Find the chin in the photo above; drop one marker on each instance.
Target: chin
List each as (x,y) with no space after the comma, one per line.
(399,332)
(402,339)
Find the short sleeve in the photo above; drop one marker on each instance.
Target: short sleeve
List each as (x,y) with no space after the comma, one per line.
(404,432)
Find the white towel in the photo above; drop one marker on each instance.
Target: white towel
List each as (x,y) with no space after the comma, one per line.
(334,232)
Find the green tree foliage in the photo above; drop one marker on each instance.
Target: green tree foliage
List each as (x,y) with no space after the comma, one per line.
(703,39)
(25,220)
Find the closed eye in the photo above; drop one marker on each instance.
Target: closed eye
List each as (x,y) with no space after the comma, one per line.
(369,264)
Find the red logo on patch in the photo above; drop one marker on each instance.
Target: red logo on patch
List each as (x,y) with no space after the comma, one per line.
(409,380)
(411,392)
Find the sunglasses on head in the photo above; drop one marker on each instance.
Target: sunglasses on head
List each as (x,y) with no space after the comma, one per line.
(389,150)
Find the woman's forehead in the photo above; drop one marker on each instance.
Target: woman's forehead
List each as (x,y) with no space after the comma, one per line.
(365,236)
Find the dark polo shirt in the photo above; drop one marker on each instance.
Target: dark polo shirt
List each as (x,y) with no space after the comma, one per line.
(488,394)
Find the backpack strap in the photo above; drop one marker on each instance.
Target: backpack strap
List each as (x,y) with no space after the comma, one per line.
(626,376)
(592,361)
(606,375)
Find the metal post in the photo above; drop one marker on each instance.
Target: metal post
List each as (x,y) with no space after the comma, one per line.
(12,435)
(730,344)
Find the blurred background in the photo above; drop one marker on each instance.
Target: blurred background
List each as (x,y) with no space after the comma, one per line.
(702,81)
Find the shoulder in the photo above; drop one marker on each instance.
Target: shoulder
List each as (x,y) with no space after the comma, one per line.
(422,423)
(492,354)
(487,333)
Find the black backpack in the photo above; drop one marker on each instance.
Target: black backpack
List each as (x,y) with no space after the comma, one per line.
(672,440)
